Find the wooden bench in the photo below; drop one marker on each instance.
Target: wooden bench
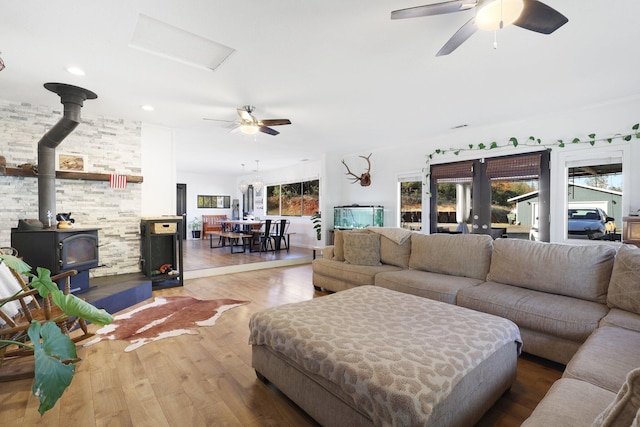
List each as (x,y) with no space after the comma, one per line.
(211,224)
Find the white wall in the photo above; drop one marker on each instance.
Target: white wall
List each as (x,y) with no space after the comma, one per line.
(158,170)
(400,158)
(302,227)
(616,117)
(207,185)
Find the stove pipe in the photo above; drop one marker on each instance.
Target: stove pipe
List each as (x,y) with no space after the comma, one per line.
(71,98)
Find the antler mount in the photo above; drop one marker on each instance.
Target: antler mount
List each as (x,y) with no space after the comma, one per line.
(365,178)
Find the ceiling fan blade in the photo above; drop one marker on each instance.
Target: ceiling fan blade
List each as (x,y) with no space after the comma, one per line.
(246,116)
(275,122)
(466,31)
(537,16)
(218,120)
(433,9)
(268,130)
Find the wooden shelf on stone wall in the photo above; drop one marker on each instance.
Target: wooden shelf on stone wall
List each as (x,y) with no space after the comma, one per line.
(84,176)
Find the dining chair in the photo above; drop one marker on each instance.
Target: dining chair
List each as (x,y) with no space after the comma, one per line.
(280,235)
(264,237)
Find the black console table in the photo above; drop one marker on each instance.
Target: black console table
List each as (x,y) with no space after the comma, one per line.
(161,245)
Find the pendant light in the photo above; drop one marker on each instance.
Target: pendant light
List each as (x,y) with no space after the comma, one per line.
(243,186)
(257,183)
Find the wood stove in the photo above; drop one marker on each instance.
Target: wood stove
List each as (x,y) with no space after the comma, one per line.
(60,250)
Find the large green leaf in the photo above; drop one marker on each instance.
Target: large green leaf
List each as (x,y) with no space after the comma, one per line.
(70,304)
(74,306)
(43,283)
(16,264)
(52,376)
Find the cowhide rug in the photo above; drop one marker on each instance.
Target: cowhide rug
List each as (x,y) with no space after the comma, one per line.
(164,317)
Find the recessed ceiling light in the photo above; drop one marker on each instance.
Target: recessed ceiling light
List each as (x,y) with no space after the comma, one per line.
(76,71)
(147,107)
(460,126)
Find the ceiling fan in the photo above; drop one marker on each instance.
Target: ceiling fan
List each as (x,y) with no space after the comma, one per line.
(251,125)
(490,15)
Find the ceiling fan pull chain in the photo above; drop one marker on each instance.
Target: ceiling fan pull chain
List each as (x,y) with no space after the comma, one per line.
(495,39)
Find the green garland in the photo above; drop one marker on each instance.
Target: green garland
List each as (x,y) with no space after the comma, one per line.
(531,142)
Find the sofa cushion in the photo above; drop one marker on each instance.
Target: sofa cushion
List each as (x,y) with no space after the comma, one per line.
(394,254)
(624,288)
(338,242)
(338,246)
(435,286)
(624,411)
(569,403)
(466,255)
(580,271)
(564,317)
(618,346)
(354,274)
(622,319)
(362,248)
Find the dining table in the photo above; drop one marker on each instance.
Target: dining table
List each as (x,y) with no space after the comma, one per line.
(238,233)
(243,224)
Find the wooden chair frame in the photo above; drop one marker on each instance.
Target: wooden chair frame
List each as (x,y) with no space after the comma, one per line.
(41,310)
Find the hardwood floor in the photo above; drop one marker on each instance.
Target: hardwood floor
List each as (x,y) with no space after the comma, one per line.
(199,256)
(206,379)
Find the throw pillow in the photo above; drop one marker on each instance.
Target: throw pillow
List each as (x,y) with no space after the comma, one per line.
(338,242)
(392,253)
(362,248)
(625,408)
(624,287)
(338,246)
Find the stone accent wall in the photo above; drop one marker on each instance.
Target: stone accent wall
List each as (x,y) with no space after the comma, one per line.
(110,146)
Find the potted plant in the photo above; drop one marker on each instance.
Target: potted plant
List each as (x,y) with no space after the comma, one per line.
(316,219)
(195,227)
(54,353)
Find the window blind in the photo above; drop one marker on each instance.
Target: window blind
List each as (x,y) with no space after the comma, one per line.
(458,172)
(523,166)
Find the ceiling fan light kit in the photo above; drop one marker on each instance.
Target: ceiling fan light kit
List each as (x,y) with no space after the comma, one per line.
(497,14)
(491,15)
(250,125)
(249,129)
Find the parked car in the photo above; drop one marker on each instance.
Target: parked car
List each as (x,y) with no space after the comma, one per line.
(591,223)
(584,223)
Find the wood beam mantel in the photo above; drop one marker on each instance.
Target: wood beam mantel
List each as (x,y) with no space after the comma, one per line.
(83,176)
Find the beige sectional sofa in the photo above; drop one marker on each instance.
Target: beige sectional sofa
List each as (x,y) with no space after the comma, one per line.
(578,305)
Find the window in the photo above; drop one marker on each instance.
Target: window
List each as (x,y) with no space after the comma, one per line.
(273,200)
(411,205)
(310,197)
(295,199)
(515,195)
(594,199)
(451,196)
(591,178)
(500,196)
(214,202)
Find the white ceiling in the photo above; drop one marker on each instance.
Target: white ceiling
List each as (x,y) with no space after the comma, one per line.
(350,79)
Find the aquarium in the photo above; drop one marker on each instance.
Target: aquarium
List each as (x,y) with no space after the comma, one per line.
(357,216)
